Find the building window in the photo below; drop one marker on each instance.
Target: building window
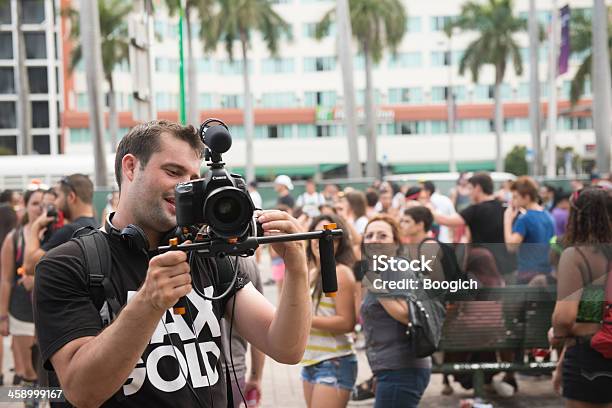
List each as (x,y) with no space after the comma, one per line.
(410,128)
(35,45)
(166,101)
(320,98)
(307,131)
(319,64)
(330,130)
(277,66)
(6,45)
(40,144)
(405,95)
(205,65)
(232,101)
(233,68)
(8,115)
(413,25)
(205,101)
(309,30)
(439,126)
(438,22)
(7,80)
(483,92)
(278,100)
(33,11)
(8,145)
(37,78)
(360,97)
(406,60)
(274,132)
(40,114)
(5,12)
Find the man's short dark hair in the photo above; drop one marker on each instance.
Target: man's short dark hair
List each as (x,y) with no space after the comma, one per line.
(484,181)
(429,186)
(143,140)
(6,196)
(372,198)
(80,184)
(420,214)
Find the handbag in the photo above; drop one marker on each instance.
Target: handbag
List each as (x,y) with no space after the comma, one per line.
(425,320)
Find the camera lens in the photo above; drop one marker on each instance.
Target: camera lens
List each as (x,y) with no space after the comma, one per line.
(226,209)
(228,212)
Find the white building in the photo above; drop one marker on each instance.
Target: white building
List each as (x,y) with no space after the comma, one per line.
(39,23)
(298,96)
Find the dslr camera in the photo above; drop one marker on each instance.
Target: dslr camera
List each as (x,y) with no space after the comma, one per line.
(220,200)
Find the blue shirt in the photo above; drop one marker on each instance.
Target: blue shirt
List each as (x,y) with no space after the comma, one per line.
(536,228)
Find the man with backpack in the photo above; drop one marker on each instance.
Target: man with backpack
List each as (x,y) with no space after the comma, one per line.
(75,201)
(146,355)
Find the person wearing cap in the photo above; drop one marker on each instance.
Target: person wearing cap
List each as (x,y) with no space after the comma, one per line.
(282,186)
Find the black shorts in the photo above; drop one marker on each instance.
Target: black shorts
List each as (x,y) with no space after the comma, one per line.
(587,375)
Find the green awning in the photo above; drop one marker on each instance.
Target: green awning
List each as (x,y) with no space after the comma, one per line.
(271,172)
(441,167)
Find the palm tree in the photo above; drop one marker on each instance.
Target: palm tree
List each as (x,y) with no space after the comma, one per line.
(115,49)
(201,9)
(24,108)
(235,21)
(581,42)
(376,25)
(496,26)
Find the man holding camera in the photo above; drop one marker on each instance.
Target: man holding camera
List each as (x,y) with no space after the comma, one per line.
(149,356)
(74,200)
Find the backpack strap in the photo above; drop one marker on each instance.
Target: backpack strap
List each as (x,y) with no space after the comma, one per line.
(97,256)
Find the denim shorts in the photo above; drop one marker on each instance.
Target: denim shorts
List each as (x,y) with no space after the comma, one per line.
(340,372)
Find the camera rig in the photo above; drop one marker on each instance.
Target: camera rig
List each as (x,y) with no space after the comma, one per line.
(220,209)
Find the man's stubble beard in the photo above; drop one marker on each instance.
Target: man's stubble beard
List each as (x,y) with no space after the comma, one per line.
(149,213)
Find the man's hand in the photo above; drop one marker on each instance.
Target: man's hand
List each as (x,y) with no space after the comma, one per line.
(27,281)
(510,214)
(276,222)
(253,384)
(168,279)
(41,222)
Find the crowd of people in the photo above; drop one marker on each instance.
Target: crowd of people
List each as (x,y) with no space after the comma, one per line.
(516,235)
(523,234)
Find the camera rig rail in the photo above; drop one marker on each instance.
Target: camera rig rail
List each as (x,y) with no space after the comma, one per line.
(219,248)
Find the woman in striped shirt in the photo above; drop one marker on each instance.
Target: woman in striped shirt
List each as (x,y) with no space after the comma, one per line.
(329,363)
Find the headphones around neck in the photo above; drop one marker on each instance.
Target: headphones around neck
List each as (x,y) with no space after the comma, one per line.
(134,236)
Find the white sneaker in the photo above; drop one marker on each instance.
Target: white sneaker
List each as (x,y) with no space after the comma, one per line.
(503,389)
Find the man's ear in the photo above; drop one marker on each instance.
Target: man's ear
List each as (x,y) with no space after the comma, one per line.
(128,167)
(71,197)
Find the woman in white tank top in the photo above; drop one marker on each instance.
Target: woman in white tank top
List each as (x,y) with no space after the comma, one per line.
(329,363)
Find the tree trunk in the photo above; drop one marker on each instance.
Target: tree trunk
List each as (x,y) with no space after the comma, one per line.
(499,124)
(345,38)
(534,90)
(602,109)
(90,40)
(24,107)
(370,115)
(113,117)
(193,115)
(249,119)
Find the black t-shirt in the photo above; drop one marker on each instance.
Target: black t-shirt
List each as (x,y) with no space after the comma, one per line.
(486,221)
(64,234)
(64,311)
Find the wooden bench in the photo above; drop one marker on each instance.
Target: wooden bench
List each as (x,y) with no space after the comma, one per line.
(513,318)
